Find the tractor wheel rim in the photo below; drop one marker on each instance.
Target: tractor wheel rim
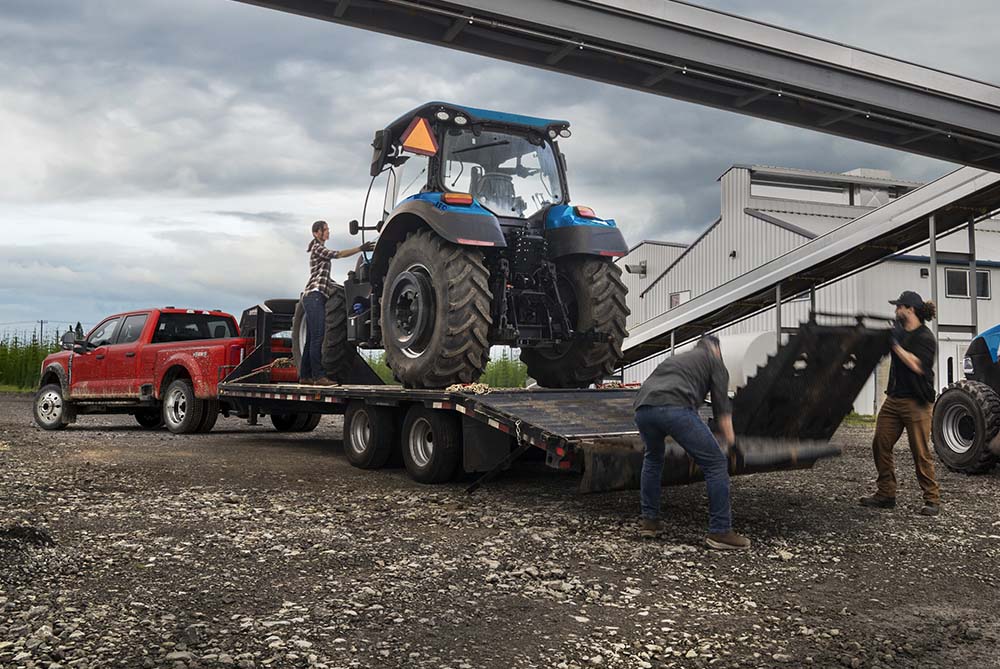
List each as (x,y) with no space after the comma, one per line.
(360,432)
(50,407)
(176,407)
(303,333)
(959,429)
(421,442)
(411,310)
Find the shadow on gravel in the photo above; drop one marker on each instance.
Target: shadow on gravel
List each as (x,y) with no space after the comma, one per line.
(25,534)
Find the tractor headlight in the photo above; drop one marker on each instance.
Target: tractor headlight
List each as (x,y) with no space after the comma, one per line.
(967,367)
(442,115)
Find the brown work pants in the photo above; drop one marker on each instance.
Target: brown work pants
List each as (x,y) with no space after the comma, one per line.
(915,416)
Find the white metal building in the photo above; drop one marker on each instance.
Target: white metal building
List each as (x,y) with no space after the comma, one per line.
(768,211)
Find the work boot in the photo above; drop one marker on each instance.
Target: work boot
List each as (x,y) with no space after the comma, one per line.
(305,381)
(878,502)
(650,528)
(324,381)
(930,509)
(727,541)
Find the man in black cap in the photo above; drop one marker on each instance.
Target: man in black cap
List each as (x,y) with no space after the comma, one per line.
(909,405)
(667,405)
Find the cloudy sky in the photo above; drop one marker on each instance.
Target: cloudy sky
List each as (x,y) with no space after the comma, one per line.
(175,151)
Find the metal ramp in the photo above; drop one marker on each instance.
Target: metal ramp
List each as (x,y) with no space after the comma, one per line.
(691,53)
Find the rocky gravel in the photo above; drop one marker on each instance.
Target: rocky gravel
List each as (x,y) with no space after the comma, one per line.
(247,548)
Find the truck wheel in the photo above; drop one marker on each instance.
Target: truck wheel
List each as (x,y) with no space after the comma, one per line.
(209,416)
(435,313)
(966,419)
(150,419)
(182,411)
(285,422)
(370,435)
(432,444)
(594,295)
(51,410)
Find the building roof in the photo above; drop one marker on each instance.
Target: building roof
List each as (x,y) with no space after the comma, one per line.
(656,242)
(796,175)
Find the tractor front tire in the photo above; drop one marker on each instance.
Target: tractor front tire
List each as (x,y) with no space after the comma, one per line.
(335,350)
(966,419)
(436,312)
(593,292)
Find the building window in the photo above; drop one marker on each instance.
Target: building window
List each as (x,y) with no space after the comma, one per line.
(956,283)
(679,298)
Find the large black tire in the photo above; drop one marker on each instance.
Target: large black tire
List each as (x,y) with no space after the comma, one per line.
(182,411)
(286,422)
(336,350)
(371,434)
(149,419)
(432,444)
(308,422)
(50,408)
(966,420)
(209,416)
(594,293)
(435,312)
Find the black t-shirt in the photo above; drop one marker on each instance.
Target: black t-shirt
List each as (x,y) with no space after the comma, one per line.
(903,381)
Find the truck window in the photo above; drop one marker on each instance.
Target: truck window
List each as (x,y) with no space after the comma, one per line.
(132,328)
(104,334)
(192,327)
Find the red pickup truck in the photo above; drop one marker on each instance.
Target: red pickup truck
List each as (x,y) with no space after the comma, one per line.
(162,366)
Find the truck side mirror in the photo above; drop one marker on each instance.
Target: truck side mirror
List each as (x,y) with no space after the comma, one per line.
(68,340)
(353,227)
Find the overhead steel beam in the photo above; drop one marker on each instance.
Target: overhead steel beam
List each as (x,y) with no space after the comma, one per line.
(948,203)
(707,57)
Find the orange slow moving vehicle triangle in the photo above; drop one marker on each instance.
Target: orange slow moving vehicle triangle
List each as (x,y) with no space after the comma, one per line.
(419,138)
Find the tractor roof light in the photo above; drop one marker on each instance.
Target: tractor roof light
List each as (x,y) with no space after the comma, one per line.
(565,133)
(553,134)
(585,212)
(442,115)
(461,120)
(464,199)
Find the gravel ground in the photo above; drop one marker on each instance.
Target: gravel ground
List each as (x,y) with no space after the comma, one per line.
(245,548)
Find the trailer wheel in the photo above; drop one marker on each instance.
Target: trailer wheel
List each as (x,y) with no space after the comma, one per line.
(309,422)
(149,419)
(286,422)
(209,416)
(594,295)
(370,435)
(51,409)
(182,411)
(432,444)
(435,312)
(966,420)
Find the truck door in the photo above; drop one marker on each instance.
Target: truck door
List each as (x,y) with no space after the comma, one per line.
(90,368)
(123,359)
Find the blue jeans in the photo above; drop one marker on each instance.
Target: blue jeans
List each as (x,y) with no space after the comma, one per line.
(690,432)
(314,304)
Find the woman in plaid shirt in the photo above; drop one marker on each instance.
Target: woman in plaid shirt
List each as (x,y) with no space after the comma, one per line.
(317,291)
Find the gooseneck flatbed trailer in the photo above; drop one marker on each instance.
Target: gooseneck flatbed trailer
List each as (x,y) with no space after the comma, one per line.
(439,434)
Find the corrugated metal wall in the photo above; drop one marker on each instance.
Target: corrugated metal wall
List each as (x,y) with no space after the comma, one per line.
(658,257)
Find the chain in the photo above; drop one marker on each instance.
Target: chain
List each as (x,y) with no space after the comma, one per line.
(473,388)
(276,363)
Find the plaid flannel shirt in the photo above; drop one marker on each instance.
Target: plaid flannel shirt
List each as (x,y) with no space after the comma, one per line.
(319,268)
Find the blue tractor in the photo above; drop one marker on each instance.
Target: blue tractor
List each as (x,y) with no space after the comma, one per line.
(967,414)
(479,245)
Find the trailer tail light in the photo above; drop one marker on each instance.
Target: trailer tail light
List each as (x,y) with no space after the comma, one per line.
(464,199)
(585,212)
(613,254)
(235,355)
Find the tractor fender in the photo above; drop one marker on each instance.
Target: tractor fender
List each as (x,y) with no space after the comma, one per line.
(568,233)
(469,225)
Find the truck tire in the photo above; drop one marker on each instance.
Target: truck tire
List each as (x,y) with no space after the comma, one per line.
(435,312)
(966,419)
(371,435)
(209,416)
(336,350)
(182,411)
(51,410)
(594,294)
(309,422)
(432,444)
(149,419)
(285,422)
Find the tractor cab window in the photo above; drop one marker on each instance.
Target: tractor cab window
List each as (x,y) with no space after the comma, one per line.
(410,177)
(508,174)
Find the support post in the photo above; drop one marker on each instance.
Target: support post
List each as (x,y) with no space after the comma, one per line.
(671,343)
(777,312)
(932,234)
(812,300)
(973,279)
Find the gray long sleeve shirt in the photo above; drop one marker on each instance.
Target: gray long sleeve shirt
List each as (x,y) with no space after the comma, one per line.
(684,380)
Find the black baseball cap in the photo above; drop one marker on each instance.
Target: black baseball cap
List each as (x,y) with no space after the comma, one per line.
(908,299)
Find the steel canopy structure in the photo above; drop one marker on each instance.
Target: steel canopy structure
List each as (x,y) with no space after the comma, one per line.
(687,52)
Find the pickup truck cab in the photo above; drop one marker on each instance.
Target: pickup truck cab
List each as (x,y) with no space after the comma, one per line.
(162,366)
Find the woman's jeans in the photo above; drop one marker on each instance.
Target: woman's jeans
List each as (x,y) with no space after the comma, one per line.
(690,432)
(314,304)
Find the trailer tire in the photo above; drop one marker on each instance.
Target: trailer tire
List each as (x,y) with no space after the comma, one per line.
(597,301)
(310,422)
(50,408)
(286,422)
(371,435)
(209,416)
(182,411)
(435,312)
(966,419)
(149,419)
(431,444)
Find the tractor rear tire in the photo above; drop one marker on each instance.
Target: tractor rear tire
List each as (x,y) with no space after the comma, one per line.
(966,419)
(597,303)
(335,350)
(436,312)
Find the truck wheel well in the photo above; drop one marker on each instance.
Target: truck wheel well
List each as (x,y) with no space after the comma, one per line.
(50,377)
(174,373)
(390,237)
